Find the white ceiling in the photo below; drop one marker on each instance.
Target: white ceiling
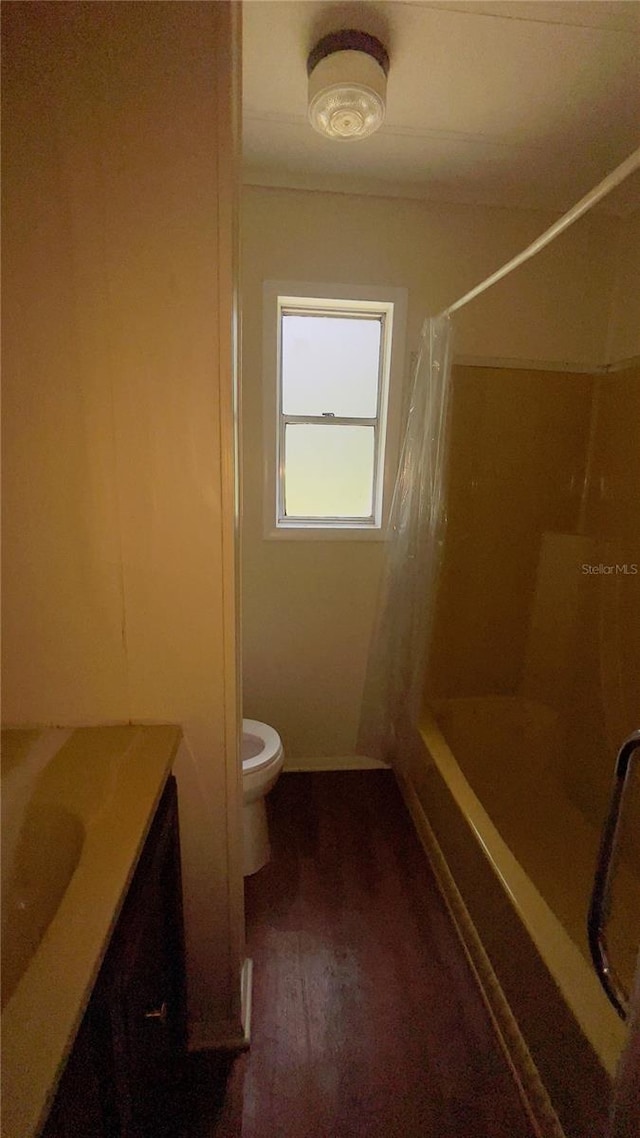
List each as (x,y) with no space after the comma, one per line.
(523,103)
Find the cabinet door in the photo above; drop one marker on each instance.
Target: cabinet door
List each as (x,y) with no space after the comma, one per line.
(147,1030)
(142,991)
(81,1106)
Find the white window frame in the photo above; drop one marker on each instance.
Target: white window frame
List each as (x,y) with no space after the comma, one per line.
(388,304)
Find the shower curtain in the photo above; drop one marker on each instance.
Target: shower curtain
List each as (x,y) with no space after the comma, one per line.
(395,673)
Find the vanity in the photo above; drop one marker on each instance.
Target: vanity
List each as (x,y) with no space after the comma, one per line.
(93,1018)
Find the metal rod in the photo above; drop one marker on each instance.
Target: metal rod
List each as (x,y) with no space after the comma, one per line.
(600,898)
(600,191)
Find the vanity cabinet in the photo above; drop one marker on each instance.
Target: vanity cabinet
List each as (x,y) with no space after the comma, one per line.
(122,1077)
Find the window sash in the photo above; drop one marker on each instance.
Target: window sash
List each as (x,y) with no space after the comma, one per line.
(328,420)
(325,519)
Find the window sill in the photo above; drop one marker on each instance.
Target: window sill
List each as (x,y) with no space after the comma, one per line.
(324,533)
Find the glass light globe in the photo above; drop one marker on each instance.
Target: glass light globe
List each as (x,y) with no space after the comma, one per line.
(347,95)
(346,112)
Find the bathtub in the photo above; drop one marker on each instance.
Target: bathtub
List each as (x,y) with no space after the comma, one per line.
(515,858)
(76,807)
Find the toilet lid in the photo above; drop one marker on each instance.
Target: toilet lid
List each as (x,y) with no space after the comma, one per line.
(260,745)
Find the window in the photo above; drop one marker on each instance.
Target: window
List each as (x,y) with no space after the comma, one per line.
(330,367)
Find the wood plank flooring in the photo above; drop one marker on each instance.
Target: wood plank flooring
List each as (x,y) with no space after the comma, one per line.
(366,1020)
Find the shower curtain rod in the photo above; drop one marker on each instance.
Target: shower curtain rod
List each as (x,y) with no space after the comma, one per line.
(604,187)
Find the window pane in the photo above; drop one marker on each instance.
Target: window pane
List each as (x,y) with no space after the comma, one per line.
(330,363)
(328,471)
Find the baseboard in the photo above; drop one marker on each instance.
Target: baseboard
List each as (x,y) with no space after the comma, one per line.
(335,763)
(533,1093)
(227,1035)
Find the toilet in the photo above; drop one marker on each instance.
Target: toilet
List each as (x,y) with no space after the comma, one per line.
(262,759)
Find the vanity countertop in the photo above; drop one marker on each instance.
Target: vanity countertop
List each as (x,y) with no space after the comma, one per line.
(77,805)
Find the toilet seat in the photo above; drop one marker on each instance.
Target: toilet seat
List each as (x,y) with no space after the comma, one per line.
(261,746)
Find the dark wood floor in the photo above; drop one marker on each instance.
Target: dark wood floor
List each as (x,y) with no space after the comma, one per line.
(366,1019)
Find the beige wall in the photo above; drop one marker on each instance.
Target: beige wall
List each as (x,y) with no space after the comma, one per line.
(308,606)
(117,406)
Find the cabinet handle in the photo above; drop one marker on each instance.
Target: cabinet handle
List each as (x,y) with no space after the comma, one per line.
(158,1013)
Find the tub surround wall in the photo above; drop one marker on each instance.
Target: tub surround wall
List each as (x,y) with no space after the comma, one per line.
(118,427)
(603,698)
(623,340)
(517,462)
(308,607)
(544,486)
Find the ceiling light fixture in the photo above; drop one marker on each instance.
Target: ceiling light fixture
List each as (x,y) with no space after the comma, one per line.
(347,85)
